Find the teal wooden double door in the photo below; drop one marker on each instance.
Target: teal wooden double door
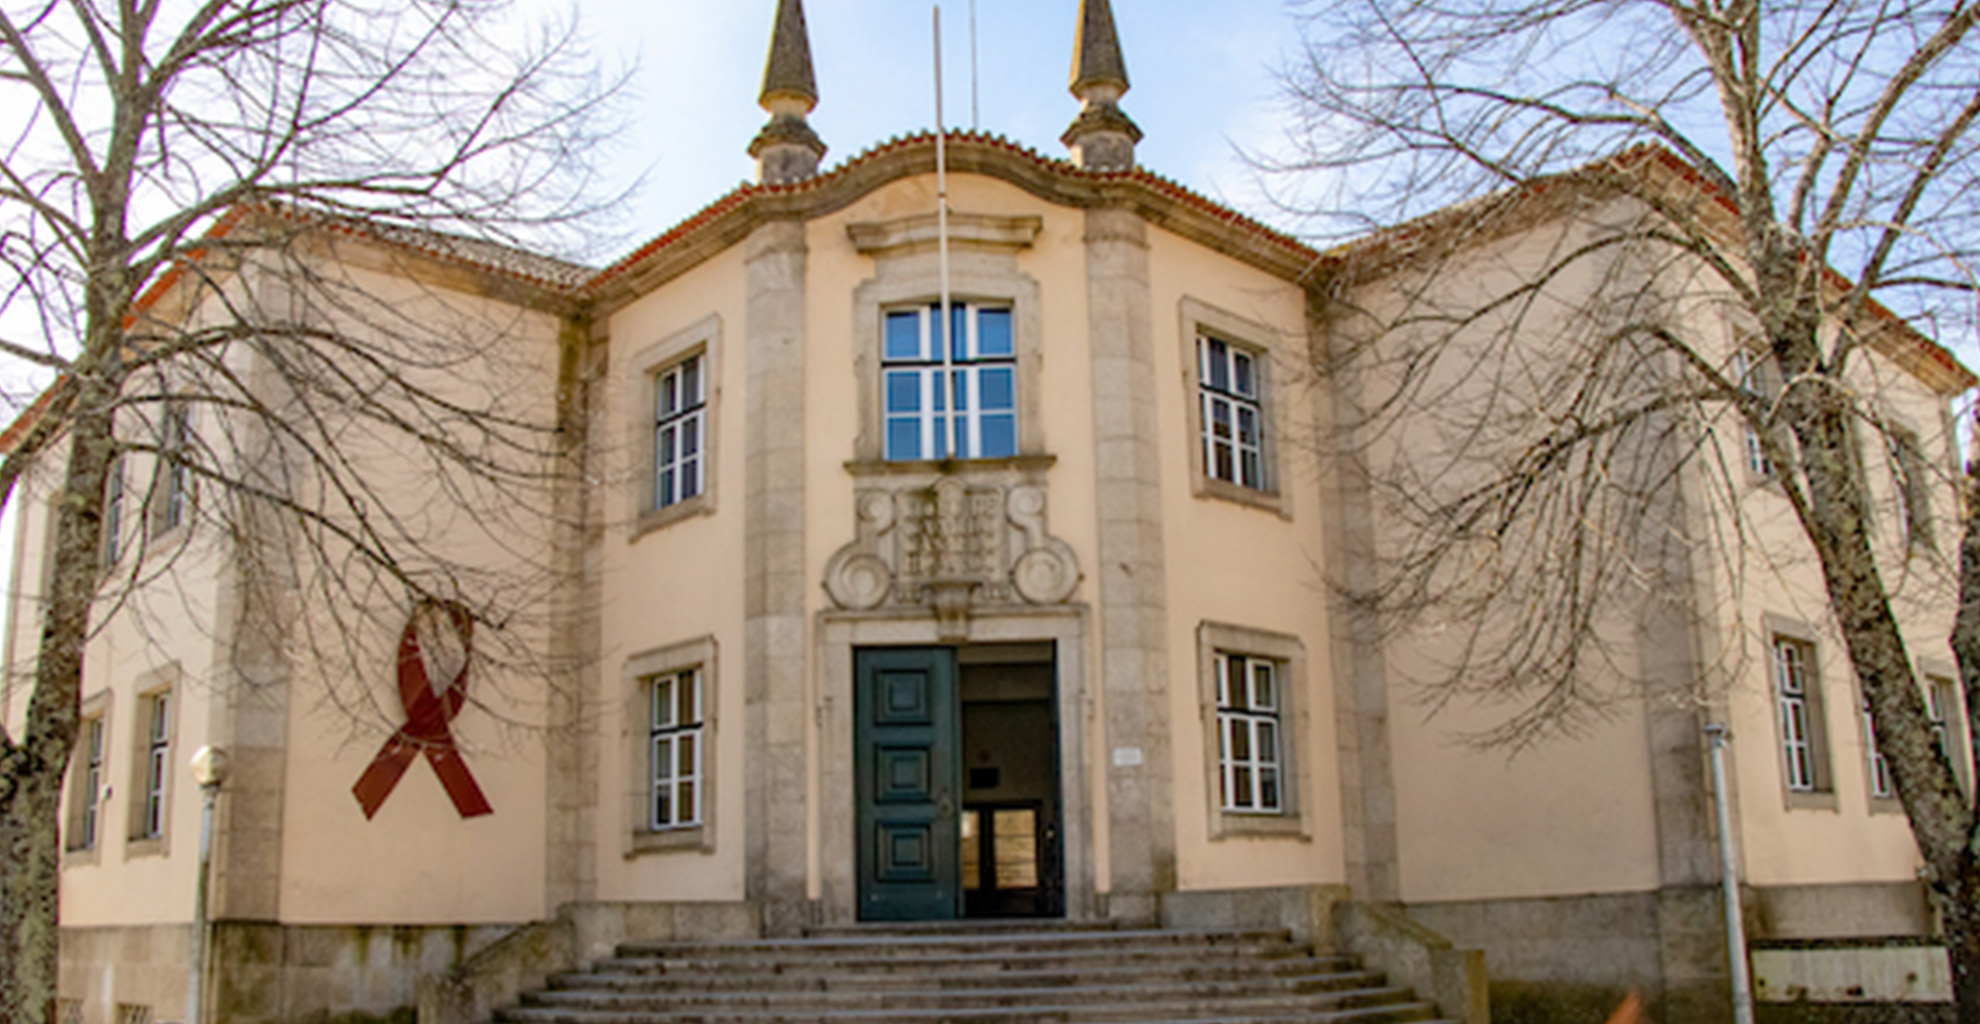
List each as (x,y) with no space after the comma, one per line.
(908,776)
(938,839)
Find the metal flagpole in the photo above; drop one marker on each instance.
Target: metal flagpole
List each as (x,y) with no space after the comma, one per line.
(975,118)
(953,420)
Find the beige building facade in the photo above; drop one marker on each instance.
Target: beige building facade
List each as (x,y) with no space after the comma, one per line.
(858,618)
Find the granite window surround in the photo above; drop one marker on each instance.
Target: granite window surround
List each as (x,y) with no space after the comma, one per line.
(652,370)
(695,659)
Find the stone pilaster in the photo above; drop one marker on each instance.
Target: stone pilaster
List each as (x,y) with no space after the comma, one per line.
(774,585)
(252,705)
(1361,683)
(1133,619)
(254,672)
(571,747)
(1673,634)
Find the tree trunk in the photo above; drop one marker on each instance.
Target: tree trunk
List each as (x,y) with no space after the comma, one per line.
(32,770)
(30,839)
(1961,913)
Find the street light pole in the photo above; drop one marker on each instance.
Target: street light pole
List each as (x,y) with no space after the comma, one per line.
(1742,984)
(209,769)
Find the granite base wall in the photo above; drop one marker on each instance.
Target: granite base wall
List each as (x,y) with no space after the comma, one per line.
(265,973)
(262,973)
(1575,958)
(139,967)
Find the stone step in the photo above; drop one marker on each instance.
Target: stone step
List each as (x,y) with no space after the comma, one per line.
(1043,970)
(1346,986)
(1376,1011)
(974,926)
(910,961)
(1009,973)
(946,944)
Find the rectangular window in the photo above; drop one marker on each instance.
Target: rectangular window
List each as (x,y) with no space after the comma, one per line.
(674,745)
(174,450)
(157,763)
(679,432)
(1948,729)
(962,407)
(1798,703)
(1233,418)
(113,514)
(1911,482)
(1881,786)
(1248,731)
(1752,380)
(86,787)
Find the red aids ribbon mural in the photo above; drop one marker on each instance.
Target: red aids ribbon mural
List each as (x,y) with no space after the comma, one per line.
(428,710)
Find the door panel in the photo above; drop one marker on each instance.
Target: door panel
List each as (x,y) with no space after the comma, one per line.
(906,781)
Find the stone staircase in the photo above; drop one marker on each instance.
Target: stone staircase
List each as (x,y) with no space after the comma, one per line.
(1031,972)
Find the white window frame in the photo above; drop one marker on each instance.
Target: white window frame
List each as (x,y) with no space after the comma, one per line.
(153,773)
(1250,735)
(984,271)
(1220,647)
(1791,697)
(156,720)
(1229,393)
(647,733)
(942,432)
(1756,373)
(113,513)
(1203,328)
(1948,727)
(175,488)
(1911,487)
(676,745)
(84,822)
(650,369)
(92,781)
(1796,695)
(680,431)
(1877,767)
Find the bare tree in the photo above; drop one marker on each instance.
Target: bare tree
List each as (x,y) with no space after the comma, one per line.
(1748,208)
(194,207)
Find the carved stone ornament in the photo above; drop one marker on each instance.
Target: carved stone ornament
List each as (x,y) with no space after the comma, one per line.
(951,547)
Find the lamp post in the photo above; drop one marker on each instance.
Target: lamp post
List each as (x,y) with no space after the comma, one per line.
(209,769)
(1742,984)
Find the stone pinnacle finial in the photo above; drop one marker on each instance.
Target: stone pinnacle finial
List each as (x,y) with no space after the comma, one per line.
(1102,138)
(1097,51)
(787,150)
(788,71)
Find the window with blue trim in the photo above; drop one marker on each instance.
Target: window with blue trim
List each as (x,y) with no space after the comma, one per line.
(964,407)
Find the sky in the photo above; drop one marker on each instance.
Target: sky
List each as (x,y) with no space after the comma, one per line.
(1202,77)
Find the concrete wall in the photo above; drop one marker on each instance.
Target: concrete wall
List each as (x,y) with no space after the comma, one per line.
(1861,974)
